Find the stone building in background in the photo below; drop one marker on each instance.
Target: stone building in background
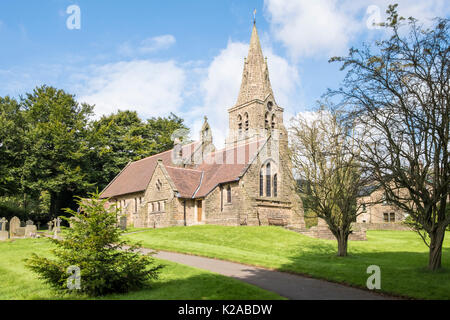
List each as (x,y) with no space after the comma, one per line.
(376,212)
(249,182)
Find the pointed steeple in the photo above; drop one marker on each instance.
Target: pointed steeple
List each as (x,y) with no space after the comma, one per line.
(255,79)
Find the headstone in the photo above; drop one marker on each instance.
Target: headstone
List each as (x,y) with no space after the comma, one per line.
(29,223)
(3,233)
(14,226)
(57,228)
(30,231)
(50,226)
(58,224)
(3,223)
(123,222)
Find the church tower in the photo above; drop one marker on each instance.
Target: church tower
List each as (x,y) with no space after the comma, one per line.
(256,112)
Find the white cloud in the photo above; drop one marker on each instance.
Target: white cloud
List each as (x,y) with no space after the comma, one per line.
(146,46)
(323,28)
(309,28)
(150,88)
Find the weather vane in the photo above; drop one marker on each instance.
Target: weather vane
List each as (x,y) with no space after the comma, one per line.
(254,16)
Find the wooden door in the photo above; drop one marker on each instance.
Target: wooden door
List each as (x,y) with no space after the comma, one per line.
(199,210)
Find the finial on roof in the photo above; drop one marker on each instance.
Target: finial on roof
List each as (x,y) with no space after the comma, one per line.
(254,17)
(206,118)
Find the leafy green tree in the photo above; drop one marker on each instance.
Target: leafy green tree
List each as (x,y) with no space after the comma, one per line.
(107,264)
(55,146)
(11,146)
(119,138)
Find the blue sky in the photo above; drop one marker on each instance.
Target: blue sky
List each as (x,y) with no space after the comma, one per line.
(181,56)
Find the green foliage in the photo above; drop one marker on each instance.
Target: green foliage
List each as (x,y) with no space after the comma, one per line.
(11,132)
(51,151)
(94,245)
(120,138)
(9,210)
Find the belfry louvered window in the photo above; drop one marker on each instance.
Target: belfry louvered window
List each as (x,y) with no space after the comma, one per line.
(246,121)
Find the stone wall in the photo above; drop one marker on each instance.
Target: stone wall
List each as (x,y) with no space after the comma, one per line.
(217,211)
(385,226)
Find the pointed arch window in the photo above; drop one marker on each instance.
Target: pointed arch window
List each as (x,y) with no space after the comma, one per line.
(228,194)
(261,183)
(275,185)
(273,121)
(268,181)
(266,121)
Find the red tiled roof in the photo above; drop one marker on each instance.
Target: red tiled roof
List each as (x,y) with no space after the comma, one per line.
(218,167)
(186,180)
(226,165)
(136,175)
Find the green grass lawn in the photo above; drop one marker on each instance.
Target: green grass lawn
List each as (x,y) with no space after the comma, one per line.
(177,282)
(401,255)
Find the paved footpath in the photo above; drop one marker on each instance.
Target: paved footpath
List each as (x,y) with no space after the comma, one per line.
(294,287)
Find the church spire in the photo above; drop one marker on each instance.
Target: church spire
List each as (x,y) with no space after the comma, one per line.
(255,79)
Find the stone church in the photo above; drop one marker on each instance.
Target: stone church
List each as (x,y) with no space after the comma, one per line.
(249,182)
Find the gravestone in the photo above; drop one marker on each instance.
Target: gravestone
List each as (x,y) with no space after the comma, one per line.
(123,223)
(14,226)
(50,226)
(30,231)
(29,223)
(57,228)
(3,233)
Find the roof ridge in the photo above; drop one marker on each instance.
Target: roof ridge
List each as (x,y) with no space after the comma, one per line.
(146,158)
(184,168)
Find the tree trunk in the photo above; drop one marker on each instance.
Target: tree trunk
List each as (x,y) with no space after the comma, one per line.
(342,240)
(436,240)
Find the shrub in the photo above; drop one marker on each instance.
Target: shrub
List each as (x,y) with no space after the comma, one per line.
(94,246)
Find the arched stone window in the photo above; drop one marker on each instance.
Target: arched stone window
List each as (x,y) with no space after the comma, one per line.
(228,194)
(269,105)
(261,183)
(275,185)
(273,121)
(268,181)
(246,121)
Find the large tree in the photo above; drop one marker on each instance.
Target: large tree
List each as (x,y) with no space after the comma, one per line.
(325,159)
(122,137)
(54,146)
(11,146)
(399,93)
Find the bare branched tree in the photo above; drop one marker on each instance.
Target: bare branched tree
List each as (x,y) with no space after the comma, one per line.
(399,93)
(324,157)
